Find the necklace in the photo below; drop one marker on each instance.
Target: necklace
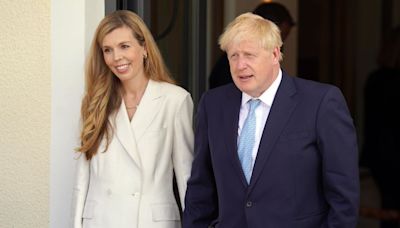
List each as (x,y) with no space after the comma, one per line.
(136,98)
(133,107)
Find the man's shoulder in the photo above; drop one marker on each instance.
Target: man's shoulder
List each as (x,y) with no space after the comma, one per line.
(224,88)
(222,93)
(311,86)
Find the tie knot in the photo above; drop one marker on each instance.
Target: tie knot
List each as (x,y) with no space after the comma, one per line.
(253,104)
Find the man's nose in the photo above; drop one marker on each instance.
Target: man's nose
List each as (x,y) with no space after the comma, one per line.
(240,63)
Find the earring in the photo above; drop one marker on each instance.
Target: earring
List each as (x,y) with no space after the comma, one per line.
(145,56)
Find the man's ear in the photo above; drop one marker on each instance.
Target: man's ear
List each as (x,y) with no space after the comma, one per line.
(277,55)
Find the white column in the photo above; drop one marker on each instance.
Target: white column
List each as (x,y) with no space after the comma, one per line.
(73,23)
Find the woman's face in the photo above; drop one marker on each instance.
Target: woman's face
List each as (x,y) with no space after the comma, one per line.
(123,54)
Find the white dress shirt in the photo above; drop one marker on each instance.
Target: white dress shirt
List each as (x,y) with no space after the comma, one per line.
(261,112)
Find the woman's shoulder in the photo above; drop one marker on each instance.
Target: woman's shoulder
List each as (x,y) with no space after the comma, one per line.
(170,89)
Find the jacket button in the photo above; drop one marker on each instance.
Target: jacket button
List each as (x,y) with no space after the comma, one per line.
(249,204)
(136,194)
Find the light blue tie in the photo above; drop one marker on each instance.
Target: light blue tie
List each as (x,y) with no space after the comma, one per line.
(247,139)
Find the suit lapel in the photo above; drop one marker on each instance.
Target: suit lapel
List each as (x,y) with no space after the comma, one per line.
(148,109)
(124,133)
(231,122)
(129,133)
(281,110)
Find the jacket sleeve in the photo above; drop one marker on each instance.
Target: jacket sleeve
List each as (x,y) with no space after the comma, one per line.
(201,195)
(337,143)
(79,190)
(182,155)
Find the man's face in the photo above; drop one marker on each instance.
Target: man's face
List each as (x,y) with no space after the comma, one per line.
(253,68)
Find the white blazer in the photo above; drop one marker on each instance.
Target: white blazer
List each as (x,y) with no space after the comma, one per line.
(130,185)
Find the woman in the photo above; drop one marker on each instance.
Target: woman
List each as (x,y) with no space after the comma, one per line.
(136,133)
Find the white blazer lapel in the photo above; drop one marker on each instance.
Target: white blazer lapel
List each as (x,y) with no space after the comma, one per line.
(123,131)
(148,109)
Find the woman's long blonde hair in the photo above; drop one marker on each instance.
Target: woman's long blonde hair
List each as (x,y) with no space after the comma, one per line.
(102,93)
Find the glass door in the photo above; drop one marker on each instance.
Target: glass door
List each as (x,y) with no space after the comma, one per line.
(179,28)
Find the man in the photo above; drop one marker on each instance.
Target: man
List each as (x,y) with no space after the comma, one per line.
(288,162)
(273,11)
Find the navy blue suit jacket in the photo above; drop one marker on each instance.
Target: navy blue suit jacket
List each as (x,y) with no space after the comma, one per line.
(305,174)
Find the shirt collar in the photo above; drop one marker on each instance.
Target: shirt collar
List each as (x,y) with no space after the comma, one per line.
(267,97)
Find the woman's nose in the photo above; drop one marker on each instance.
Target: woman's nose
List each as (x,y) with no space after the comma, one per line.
(117,55)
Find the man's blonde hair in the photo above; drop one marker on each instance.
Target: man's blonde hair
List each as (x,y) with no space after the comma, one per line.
(249,26)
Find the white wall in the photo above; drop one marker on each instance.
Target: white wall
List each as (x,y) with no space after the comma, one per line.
(73,23)
(25,89)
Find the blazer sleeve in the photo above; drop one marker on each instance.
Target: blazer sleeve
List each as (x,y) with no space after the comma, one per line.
(201,196)
(338,146)
(182,155)
(79,190)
